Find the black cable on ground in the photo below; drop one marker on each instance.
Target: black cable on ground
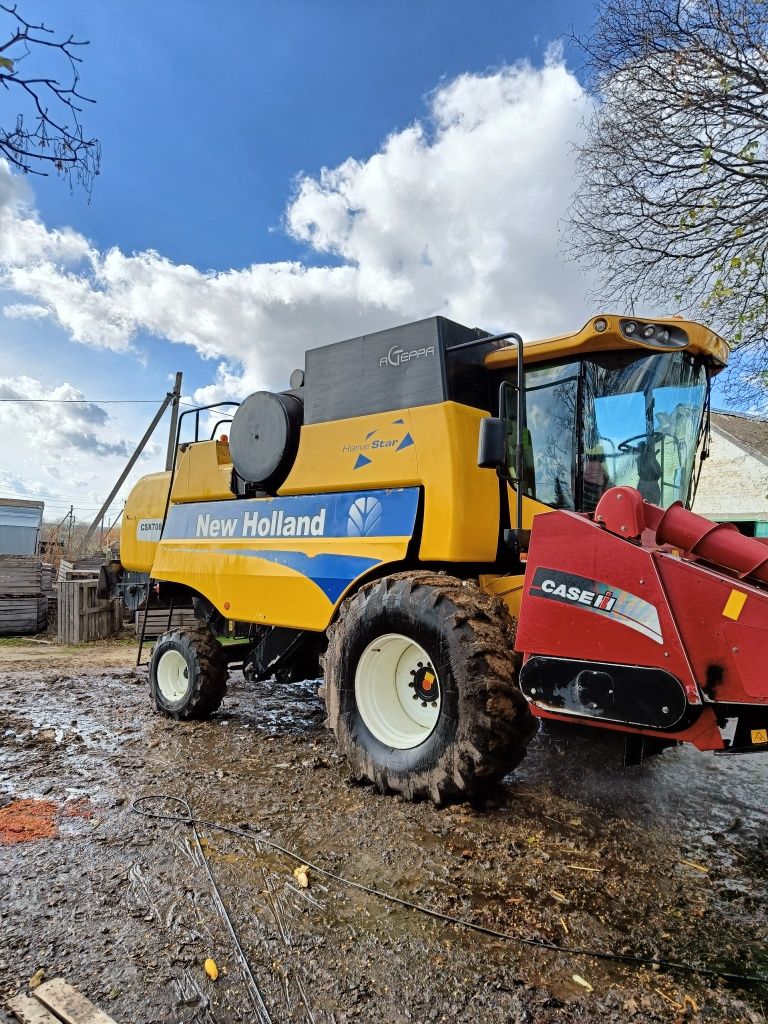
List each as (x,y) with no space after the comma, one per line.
(139,807)
(258,1001)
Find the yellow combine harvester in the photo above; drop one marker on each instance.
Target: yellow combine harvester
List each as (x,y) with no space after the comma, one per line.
(370,516)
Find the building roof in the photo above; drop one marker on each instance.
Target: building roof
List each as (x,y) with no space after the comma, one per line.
(748,432)
(26,514)
(21,503)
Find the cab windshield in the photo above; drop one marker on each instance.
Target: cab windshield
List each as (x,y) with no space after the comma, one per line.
(612,419)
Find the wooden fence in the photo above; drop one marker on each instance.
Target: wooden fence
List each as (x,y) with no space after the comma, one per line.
(83,617)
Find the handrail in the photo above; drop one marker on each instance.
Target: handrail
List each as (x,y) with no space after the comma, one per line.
(188,412)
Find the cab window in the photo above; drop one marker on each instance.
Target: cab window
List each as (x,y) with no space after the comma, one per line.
(550,437)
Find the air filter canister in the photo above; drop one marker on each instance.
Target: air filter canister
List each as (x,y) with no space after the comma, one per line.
(264,438)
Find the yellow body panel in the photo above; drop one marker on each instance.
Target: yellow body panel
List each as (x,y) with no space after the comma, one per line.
(284,561)
(701,341)
(508,588)
(247,588)
(329,452)
(531,509)
(203,472)
(429,451)
(145,506)
(461,501)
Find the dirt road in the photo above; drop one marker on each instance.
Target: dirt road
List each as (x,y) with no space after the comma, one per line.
(666,861)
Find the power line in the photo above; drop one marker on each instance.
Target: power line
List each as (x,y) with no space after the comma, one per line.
(92,401)
(55,504)
(72,499)
(81,501)
(87,401)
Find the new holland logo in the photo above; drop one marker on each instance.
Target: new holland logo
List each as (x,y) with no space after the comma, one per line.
(226,525)
(274,523)
(364,517)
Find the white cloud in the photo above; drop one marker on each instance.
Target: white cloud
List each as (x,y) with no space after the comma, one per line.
(66,452)
(59,421)
(457,215)
(25,311)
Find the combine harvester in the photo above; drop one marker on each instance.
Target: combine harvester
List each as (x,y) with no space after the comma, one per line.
(468,534)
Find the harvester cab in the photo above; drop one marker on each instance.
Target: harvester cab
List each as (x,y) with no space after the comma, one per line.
(470,533)
(623,403)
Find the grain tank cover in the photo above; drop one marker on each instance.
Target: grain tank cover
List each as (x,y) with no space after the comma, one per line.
(264,437)
(399,368)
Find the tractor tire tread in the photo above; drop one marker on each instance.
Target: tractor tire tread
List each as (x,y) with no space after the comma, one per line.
(495,723)
(211,672)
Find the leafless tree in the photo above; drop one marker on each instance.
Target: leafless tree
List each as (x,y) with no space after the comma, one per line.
(47,133)
(671,204)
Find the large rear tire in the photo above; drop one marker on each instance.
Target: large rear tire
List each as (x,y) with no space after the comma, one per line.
(188,674)
(421,687)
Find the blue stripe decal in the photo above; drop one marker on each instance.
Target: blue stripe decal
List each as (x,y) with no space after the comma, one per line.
(376,513)
(330,572)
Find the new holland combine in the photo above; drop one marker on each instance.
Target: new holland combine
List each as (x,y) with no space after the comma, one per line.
(468,534)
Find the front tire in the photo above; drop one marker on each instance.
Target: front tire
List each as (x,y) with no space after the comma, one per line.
(188,674)
(421,687)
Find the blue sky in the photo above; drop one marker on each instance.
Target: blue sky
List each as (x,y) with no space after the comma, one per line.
(207,112)
(217,122)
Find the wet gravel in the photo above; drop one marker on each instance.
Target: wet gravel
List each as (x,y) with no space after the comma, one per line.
(669,860)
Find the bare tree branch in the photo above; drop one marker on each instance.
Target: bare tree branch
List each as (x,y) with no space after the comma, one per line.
(671,203)
(47,133)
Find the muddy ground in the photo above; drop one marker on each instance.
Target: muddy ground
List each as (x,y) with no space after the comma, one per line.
(669,860)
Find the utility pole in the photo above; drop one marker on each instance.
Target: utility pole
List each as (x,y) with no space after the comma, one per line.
(111,526)
(174,423)
(130,464)
(71,524)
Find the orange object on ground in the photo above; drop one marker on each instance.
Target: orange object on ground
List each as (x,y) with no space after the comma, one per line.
(81,808)
(26,820)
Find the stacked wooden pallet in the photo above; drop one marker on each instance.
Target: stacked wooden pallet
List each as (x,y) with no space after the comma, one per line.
(157,621)
(49,572)
(20,576)
(50,592)
(23,605)
(82,569)
(23,616)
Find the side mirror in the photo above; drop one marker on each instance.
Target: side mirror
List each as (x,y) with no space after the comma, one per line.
(492,448)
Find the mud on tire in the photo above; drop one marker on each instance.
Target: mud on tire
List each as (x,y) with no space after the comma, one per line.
(188,674)
(483,725)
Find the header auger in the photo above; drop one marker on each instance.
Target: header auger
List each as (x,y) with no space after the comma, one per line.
(469,533)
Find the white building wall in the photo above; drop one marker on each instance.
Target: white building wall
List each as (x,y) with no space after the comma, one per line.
(733,484)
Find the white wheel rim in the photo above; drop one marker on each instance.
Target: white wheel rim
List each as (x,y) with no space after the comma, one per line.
(393,677)
(172,676)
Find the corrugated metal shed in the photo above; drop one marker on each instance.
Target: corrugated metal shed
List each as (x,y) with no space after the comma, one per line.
(20,522)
